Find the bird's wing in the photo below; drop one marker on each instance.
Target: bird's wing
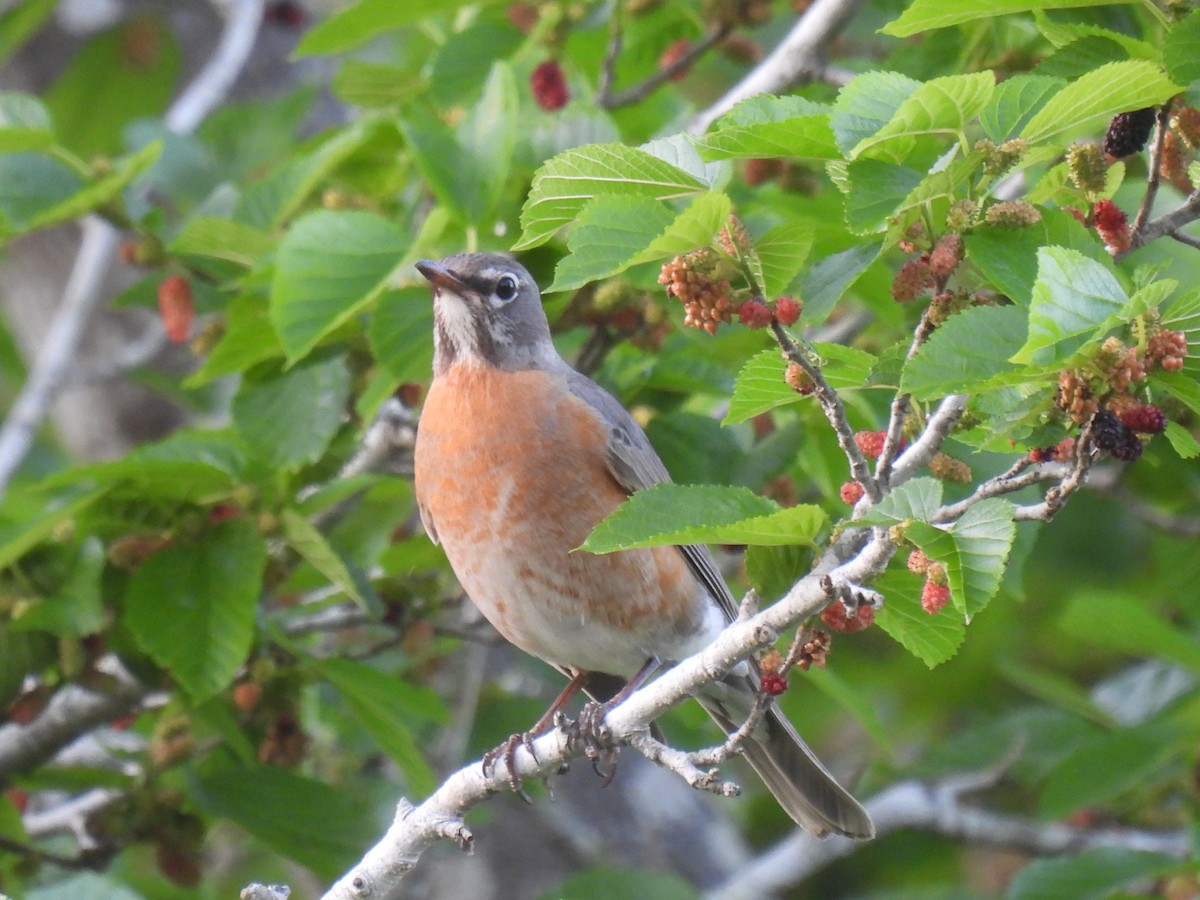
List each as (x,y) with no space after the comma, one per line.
(635,465)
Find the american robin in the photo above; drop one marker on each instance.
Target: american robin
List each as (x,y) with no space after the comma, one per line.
(518,456)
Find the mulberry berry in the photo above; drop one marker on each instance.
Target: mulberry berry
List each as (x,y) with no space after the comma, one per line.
(947,468)
(754,314)
(1112,226)
(1086,167)
(787,310)
(934,597)
(1128,132)
(176,307)
(851,492)
(1167,350)
(914,277)
(1144,418)
(1107,431)
(549,86)
(946,255)
(798,380)
(839,618)
(870,443)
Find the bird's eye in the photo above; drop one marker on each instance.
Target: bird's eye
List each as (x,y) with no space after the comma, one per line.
(506,287)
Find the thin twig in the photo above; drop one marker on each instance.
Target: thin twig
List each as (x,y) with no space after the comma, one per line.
(1168,224)
(835,412)
(640,92)
(1153,176)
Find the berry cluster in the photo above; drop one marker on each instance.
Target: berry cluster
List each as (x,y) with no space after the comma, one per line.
(1012,214)
(1087,168)
(814,649)
(693,279)
(935,593)
(947,468)
(1075,397)
(1166,350)
(1063,451)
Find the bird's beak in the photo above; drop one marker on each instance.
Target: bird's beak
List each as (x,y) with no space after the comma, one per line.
(441,277)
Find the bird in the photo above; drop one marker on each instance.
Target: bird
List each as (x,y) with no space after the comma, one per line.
(518,456)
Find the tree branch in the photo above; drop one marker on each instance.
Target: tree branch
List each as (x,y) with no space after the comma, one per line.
(415,828)
(937,808)
(605,99)
(98,245)
(800,55)
(71,712)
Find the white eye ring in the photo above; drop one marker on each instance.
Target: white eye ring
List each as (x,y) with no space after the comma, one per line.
(506,288)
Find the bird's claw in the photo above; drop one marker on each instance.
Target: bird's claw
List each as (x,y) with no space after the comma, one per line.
(507,751)
(592,732)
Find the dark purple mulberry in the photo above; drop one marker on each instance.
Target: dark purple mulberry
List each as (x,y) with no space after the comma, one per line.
(1129,131)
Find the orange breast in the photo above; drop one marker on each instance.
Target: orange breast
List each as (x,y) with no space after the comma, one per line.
(512,470)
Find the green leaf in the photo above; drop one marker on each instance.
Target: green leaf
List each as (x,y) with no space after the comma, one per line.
(767,126)
(700,514)
(249,338)
(358,23)
(564,185)
(1015,101)
(613,233)
(488,137)
(874,190)
(1091,875)
(290,417)
(866,104)
(401,333)
(131,89)
(328,267)
(99,192)
(1074,299)
(191,607)
(1053,688)
(220,238)
(24,123)
(382,703)
(1137,629)
(1181,386)
(306,540)
(20,22)
(932,639)
(1060,33)
(830,278)
(940,106)
(75,608)
(30,516)
(1181,49)
(966,351)
(760,384)
(1088,102)
(323,827)
(853,701)
(370,84)
(782,252)
(1104,769)
(20,654)
(974,551)
(1008,257)
(926,15)
(1182,441)
(772,571)
(916,500)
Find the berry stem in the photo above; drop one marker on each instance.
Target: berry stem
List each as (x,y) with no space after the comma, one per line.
(835,412)
(1153,176)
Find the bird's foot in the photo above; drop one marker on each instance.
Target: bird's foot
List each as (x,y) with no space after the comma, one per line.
(592,732)
(507,752)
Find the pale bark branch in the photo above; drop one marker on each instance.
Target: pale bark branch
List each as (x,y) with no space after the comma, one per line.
(440,816)
(799,56)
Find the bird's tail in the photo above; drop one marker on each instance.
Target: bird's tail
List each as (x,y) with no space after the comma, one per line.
(789,769)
